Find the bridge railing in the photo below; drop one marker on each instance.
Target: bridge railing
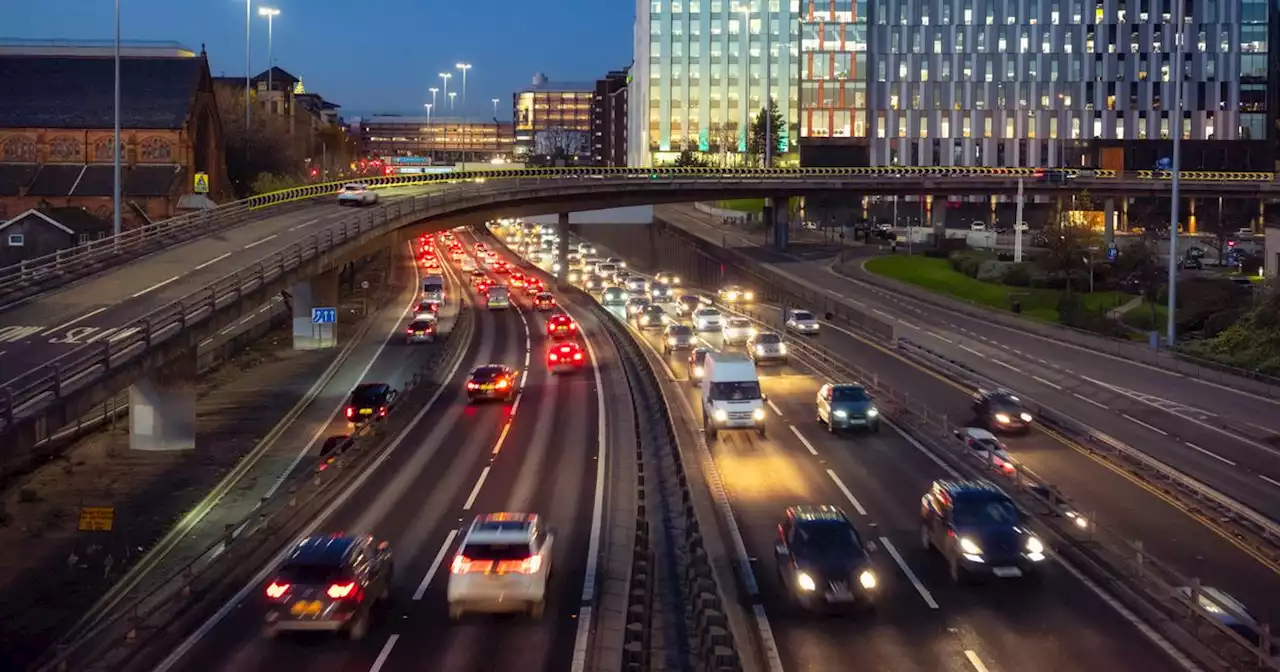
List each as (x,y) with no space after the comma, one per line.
(39,274)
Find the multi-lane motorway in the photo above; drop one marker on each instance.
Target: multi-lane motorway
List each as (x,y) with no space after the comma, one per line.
(1060,621)
(454,461)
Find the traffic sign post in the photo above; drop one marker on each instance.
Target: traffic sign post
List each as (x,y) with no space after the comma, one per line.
(324,320)
(201,185)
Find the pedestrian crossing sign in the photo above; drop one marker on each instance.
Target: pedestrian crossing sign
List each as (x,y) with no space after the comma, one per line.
(202,183)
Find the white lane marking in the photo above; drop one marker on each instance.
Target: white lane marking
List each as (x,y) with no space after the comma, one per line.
(261,241)
(972,351)
(475,492)
(848,495)
(435,565)
(526,359)
(156,286)
(927,453)
(939,337)
(975,661)
(877,310)
(303,225)
(86,316)
(1148,426)
(803,440)
(775,408)
(1270,480)
(908,324)
(1084,398)
(338,502)
(377,354)
(1042,381)
(1209,453)
(524,375)
(384,653)
(1007,366)
(911,576)
(212,261)
(1155,637)
(502,438)
(582,637)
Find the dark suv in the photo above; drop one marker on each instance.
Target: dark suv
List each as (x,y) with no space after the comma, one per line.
(978,529)
(370,401)
(1001,411)
(822,560)
(329,583)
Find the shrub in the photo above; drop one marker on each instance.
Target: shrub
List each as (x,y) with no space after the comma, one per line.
(1018,275)
(992,271)
(967,263)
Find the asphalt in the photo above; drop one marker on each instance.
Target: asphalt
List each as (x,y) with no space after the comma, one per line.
(1220,436)
(423,492)
(101,308)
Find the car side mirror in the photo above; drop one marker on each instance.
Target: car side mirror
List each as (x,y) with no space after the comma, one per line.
(781,549)
(957,434)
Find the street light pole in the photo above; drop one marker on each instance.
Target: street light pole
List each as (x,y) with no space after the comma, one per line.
(115,147)
(248,58)
(426,133)
(433,95)
(464,67)
(1176,179)
(271,15)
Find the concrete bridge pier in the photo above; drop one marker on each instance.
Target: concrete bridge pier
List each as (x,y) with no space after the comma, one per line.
(162,407)
(776,221)
(562,247)
(1108,222)
(320,291)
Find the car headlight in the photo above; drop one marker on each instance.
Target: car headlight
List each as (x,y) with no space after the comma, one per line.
(1026,417)
(697,371)
(1034,545)
(671,341)
(967,546)
(757,414)
(749,296)
(842,414)
(675,280)
(782,349)
(1002,418)
(555,267)
(868,579)
(759,349)
(873,412)
(644,320)
(805,582)
(720,415)
(732,296)
(751,333)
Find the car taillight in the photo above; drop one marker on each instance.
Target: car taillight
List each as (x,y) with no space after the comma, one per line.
(409,330)
(340,591)
(464,565)
(472,386)
(351,411)
(277,590)
(382,410)
(529,565)
(502,384)
(552,357)
(577,356)
(573,327)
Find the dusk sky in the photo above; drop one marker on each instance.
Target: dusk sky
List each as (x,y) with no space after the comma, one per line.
(369,55)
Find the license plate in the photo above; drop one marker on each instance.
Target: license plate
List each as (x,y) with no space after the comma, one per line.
(1006,572)
(857,421)
(419,333)
(366,411)
(486,388)
(306,608)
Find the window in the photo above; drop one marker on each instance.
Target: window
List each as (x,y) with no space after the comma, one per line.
(17,240)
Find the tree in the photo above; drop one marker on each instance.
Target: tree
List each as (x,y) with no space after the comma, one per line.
(560,144)
(267,145)
(691,158)
(724,139)
(770,120)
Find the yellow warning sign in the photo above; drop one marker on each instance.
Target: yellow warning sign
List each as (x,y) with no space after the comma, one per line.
(97,518)
(202,183)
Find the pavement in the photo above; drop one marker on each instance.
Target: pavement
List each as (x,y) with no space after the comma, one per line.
(1059,621)
(101,308)
(452,462)
(1227,438)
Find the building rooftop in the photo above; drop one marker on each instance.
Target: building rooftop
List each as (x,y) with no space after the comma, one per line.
(42,91)
(553,87)
(60,47)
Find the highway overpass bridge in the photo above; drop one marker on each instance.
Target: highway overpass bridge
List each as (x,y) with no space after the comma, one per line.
(81,325)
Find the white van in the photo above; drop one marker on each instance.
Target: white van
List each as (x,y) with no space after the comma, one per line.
(433,285)
(731,396)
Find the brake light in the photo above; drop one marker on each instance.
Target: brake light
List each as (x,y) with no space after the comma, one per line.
(339,591)
(463,565)
(529,565)
(502,384)
(552,357)
(277,590)
(577,356)
(472,386)
(351,411)
(573,326)
(382,410)
(409,330)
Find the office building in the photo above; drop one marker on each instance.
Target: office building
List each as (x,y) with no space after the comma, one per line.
(833,83)
(609,120)
(444,140)
(699,75)
(553,122)
(1066,83)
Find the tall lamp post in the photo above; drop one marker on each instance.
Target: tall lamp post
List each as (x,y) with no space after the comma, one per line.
(271,14)
(452,94)
(445,77)
(115,147)
(433,91)
(495,109)
(464,67)
(1176,179)
(248,58)
(426,134)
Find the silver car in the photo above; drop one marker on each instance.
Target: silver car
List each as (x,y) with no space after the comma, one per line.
(636,284)
(737,331)
(802,322)
(659,292)
(707,319)
(678,337)
(767,346)
(636,305)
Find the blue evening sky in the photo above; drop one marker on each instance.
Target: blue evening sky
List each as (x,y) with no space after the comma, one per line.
(369,55)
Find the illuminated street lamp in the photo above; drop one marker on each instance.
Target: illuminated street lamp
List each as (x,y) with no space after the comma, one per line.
(452,94)
(495,109)
(433,95)
(464,67)
(271,15)
(446,76)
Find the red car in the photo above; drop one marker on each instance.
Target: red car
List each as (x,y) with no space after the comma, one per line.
(566,357)
(534,286)
(501,267)
(517,279)
(561,326)
(544,301)
(483,286)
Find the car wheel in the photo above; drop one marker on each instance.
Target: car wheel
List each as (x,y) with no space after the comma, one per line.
(831,427)
(455,612)
(761,431)
(359,627)
(537,608)
(925,543)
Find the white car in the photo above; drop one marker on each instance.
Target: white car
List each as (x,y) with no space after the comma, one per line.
(802,322)
(357,193)
(983,446)
(737,331)
(735,294)
(502,565)
(668,279)
(637,284)
(707,319)
(767,346)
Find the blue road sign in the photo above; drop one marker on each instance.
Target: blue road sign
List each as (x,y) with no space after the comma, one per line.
(324,315)
(1165,163)
(1112,252)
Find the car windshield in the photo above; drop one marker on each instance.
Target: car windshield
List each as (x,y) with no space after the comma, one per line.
(986,444)
(768,339)
(420,325)
(653,310)
(307,574)
(680,330)
(849,394)
(487,373)
(985,513)
(709,312)
(739,323)
(802,316)
(354,187)
(496,552)
(368,395)
(824,538)
(738,391)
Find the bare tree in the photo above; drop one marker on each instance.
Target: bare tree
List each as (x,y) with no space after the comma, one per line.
(266,146)
(724,139)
